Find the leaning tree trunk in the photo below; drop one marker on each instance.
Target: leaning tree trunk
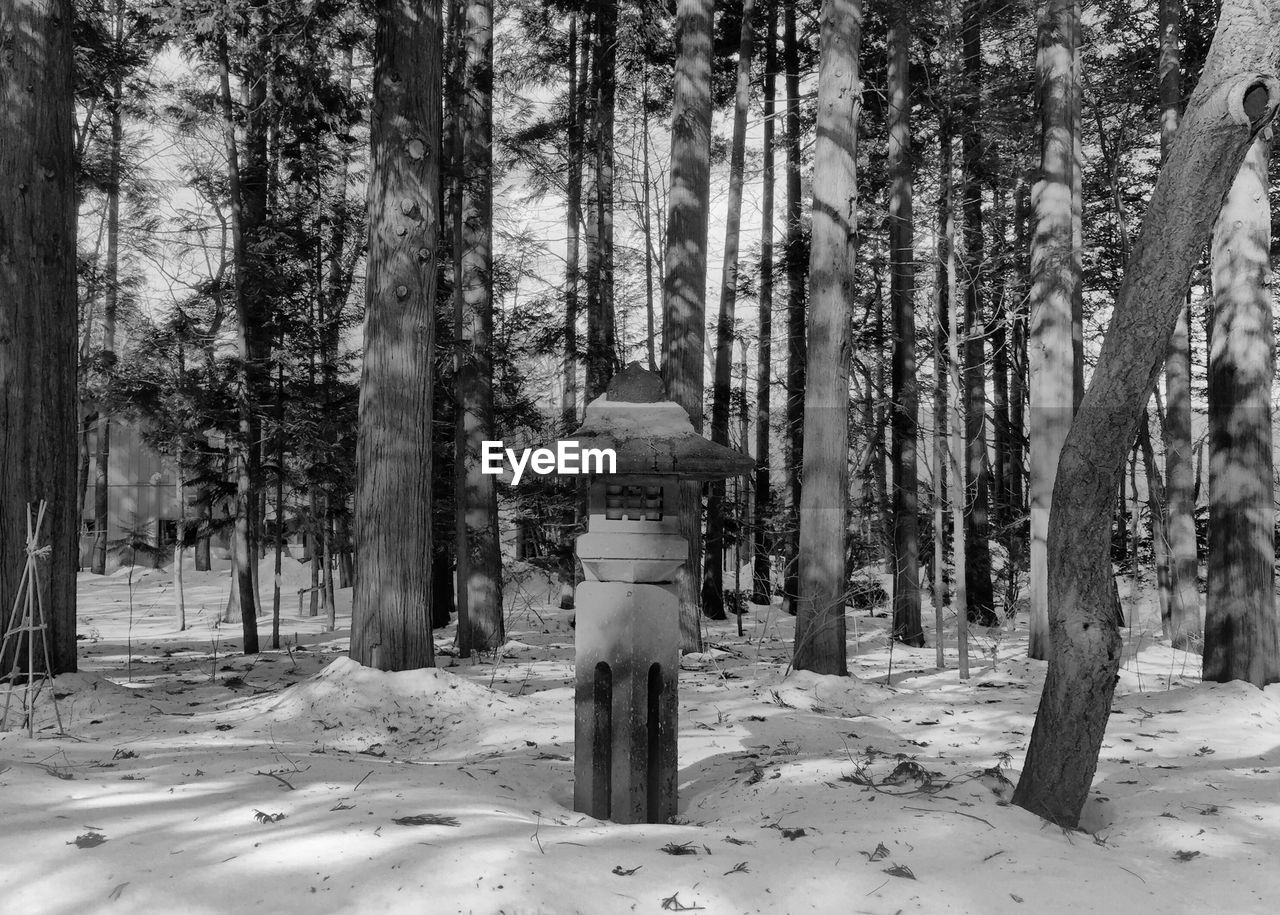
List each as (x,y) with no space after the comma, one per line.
(1234,100)
(1240,611)
(38,310)
(713,566)
(389,627)
(1053,282)
(905,417)
(684,288)
(820,624)
(1181,617)
(762,576)
(480,624)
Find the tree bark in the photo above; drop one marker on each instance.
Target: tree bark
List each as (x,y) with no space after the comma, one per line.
(981,601)
(820,623)
(713,566)
(762,577)
(245,593)
(684,290)
(393,449)
(38,315)
(1240,638)
(1231,104)
(1053,281)
(795,264)
(111,300)
(942,285)
(905,418)
(479,589)
(1181,622)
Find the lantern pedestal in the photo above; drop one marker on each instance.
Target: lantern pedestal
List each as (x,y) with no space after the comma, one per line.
(628,622)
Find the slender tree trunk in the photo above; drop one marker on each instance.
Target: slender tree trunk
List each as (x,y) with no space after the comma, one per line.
(820,623)
(1182,623)
(1053,282)
(906,497)
(977,468)
(650,310)
(1018,381)
(389,627)
(713,566)
(38,314)
(179,593)
(762,577)
(795,263)
(1156,508)
(606,92)
(684,292)
(479,590)
(111,299)
(942,287)
(1230,106)
(242,545)
(1240,637)
(573,222)
(959,523)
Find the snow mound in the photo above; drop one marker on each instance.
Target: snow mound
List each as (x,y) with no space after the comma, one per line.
(351,707)
(820,693)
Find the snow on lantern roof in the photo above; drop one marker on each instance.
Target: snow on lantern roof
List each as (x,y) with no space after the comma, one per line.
(652,436)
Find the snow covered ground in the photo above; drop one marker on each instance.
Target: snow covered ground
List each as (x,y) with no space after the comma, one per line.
(195,780)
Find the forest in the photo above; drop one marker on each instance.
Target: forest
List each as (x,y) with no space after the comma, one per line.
(934,342)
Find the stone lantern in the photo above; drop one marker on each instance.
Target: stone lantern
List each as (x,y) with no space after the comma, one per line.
(628,618)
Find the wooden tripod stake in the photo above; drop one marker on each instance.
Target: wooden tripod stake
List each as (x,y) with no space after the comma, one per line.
(30,622)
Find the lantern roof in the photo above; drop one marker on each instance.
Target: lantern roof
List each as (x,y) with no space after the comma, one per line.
(651,435)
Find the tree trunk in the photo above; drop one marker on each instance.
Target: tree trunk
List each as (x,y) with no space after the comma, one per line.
(1240,638)
(38,315)
(479,591)
(1231,104)
(959,527)
(1182,622)
(820,623)
(1156,508)
(977,469)
(795,264)
(942,286)
(111,300)
(573,222)
(1053,282)
(246,597)
(606,92)
(762,577)
(906,537)
(389,627)
(713,566)
(684,292)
